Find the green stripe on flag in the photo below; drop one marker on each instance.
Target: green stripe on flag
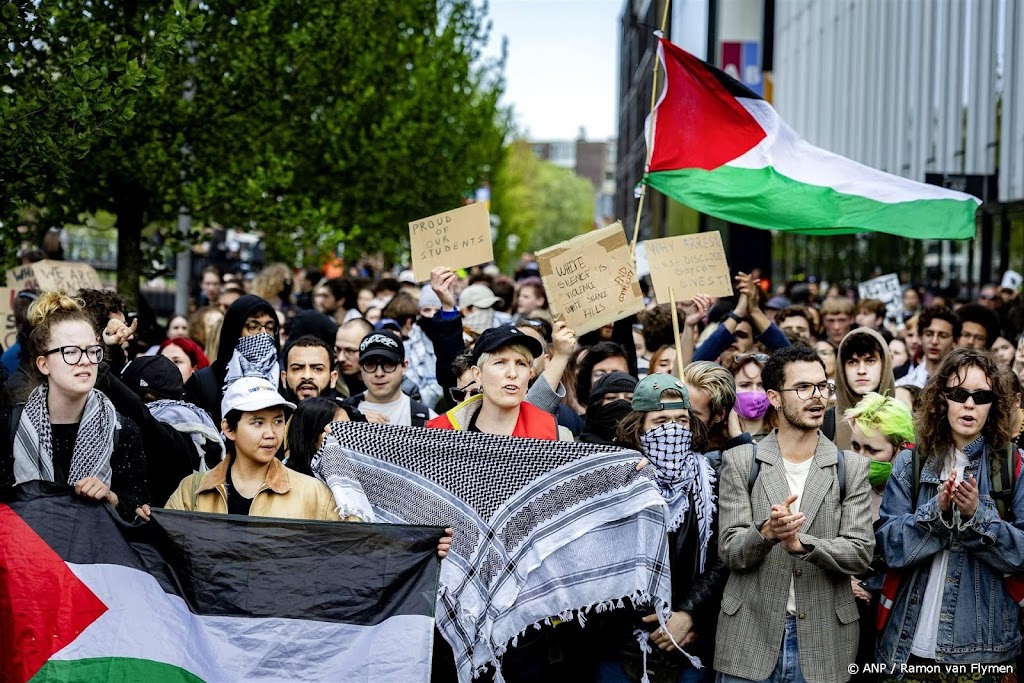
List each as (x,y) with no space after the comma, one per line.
(753,196)
(111,669)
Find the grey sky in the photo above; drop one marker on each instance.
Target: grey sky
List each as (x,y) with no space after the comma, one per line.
(562,65)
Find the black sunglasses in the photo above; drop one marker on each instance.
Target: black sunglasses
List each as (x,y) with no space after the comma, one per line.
(460,394)
(982,397)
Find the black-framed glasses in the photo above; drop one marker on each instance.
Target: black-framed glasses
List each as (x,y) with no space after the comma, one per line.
(806,392)
(982,397)
(761,358)
(73,354)
(371,366)
(460,394)
(254,327)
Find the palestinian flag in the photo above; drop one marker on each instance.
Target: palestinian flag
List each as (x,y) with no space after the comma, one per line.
(721,149)
(194,597)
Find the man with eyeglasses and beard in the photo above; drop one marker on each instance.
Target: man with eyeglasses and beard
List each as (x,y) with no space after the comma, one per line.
(382,365)
(795,524)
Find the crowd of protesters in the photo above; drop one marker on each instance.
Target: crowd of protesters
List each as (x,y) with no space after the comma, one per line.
(841,483)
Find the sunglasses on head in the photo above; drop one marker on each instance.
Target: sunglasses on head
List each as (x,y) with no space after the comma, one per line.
(761,358)
(982,397)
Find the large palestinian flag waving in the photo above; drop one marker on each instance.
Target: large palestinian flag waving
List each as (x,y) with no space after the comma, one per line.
(721,149)
(192,597)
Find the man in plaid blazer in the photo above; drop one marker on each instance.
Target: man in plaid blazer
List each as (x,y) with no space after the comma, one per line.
(792,541)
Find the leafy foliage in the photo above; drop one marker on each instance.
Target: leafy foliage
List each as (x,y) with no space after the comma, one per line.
(538,202)
(311,122)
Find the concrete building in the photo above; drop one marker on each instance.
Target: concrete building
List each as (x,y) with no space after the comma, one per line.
(931,90)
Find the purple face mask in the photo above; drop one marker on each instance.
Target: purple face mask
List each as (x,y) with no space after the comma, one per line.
(751,405)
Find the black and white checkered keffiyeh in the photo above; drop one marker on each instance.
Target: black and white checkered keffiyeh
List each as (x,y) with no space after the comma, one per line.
(543,529)
(33,442)
(681,475)
(254,356)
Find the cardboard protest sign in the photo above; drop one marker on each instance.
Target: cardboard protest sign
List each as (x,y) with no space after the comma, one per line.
(887,290)
(49,275)
(590,280)
(7,317)
(458,239)
(689,265)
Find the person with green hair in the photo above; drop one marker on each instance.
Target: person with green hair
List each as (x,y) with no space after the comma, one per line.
(880,426)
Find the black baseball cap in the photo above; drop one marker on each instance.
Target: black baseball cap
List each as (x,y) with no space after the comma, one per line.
(505,335)
(156,375)
(382,344)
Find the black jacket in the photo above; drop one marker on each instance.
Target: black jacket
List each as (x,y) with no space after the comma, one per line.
(698,593)
(205,387)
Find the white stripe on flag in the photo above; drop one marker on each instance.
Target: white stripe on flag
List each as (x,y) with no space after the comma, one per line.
(792,156)
(144,622)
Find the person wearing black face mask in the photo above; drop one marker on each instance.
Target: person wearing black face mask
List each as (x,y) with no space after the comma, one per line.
(609,402)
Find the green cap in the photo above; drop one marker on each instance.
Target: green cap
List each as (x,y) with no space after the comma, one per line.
(647,395)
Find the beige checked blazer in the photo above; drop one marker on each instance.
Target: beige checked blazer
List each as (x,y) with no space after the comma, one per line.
(752,620)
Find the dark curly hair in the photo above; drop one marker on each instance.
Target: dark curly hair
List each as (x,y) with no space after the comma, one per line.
(773,374)
(934,436)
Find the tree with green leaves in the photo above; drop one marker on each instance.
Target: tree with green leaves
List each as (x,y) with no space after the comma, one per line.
(310,123)
(539,204)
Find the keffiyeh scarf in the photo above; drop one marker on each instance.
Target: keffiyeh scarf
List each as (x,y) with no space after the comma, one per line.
(254,356)
(334,469)
(33,442)
(543,529)
(681,475)
(192,420)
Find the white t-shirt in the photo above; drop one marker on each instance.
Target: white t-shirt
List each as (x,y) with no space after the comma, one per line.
(796,476)
(931,604)
(398,412)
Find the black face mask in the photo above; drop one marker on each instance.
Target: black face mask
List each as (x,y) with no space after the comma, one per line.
(603,420)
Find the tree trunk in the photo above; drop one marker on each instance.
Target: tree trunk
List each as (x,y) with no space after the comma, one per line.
(131,216)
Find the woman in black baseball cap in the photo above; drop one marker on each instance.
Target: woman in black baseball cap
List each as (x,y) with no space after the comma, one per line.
(502,360)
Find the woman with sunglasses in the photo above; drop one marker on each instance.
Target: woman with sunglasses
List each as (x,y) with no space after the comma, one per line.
(67,431)
(943,526)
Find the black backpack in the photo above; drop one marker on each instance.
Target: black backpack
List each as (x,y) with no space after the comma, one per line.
(755,470)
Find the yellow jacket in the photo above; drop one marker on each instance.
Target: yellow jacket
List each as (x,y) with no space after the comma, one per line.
(285,494)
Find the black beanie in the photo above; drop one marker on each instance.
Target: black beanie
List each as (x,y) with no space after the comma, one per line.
(612,383)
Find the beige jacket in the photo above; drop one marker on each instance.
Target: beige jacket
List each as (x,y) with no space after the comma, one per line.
(285,494)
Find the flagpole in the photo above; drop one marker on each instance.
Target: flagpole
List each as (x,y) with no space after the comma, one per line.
(649,133)
(675,330)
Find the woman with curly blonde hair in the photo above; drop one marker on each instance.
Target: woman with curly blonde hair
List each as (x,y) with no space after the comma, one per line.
(947,522)
(274,284)
(67,431)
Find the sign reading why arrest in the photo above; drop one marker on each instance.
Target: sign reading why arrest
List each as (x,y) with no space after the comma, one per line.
(51,275)
(590,280)
(887,290)
(689,265)
(457,239)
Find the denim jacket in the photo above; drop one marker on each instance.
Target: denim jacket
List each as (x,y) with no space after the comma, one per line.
(979,621)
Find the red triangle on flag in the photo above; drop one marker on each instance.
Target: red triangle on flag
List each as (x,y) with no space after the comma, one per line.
(699,122)
(43,605)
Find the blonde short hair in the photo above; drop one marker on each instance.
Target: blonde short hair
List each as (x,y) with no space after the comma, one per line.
(518,348)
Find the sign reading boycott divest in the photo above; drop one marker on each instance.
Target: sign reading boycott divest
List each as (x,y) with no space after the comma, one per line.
(458,239)
(689,265)
(51,275)
(887,290)
(590,280)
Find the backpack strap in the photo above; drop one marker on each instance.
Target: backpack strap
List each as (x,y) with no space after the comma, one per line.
(1003,479)
(420,413)
(828,425)
(755,469)
(14,418)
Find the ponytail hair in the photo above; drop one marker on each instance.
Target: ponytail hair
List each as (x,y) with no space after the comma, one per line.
(49,310)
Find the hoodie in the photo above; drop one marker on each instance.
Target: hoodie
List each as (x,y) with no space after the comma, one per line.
(845,397)
(205,387)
